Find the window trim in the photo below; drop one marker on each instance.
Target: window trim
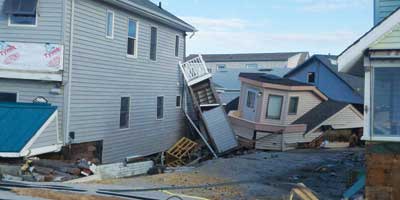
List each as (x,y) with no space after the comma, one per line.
(16,94)
(155,60)
(247,99)
(297,106)
(176,53)
(113,23)
(280,113)
(137,38)
(163,106)
(129,113)
(24,25)
(308,77)
(180,101)
(218,65)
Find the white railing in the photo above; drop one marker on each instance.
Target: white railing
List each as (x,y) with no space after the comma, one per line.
(195,70)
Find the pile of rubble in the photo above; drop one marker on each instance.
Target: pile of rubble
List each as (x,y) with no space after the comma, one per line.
(44,170)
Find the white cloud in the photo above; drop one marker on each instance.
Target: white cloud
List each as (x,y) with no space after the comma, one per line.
(236,36)
(330,5)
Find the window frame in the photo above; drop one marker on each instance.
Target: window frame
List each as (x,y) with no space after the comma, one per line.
(255,64)
(108,11)
(135,49)
(254,99)
(308,77)
(24,25)
(297,105)
(177,45)
(163,106)
(280,110)
(180,101)
(219,65)
(16,95)
(129,113)
(156,43)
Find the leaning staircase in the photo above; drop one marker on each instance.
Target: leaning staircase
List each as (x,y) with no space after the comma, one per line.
(208,107)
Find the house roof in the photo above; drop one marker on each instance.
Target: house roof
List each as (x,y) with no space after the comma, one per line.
(247,57)
(320,113)
(228,79)
(19,122)
(330,61)
(350,60)
(269,78)
(151,10)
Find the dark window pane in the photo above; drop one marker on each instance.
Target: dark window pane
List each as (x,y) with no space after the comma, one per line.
(160,107)
(124,112)
(8,97)
(311,77)
(23,19)
(28,6)
(153,44)
(386,102)
(178,101)
(21,7)
(131,46)
(109,28)
(293,104)
(177,46)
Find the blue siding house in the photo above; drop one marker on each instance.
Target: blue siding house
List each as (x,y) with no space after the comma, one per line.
(322,71)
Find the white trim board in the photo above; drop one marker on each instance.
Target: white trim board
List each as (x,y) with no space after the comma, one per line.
(351,56)
(27,151)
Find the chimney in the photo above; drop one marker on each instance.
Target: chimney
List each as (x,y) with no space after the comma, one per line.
(160,5)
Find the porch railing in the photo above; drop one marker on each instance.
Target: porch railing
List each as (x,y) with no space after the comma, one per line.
(195,70)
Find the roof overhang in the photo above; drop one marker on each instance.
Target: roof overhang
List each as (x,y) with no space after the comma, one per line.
(285,87)
(132,6)
(351,59)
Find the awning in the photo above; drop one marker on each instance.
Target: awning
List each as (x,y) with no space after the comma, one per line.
(20,7)
(28,129)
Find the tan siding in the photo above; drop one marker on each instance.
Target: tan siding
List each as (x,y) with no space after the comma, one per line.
(346,118)
(307,101)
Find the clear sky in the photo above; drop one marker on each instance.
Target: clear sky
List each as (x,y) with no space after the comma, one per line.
(251,26)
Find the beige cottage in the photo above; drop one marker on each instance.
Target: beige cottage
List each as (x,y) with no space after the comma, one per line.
(279,114)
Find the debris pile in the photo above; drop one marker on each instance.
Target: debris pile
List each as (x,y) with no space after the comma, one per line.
(44,170)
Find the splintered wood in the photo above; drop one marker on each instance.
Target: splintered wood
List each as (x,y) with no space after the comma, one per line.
(177,154)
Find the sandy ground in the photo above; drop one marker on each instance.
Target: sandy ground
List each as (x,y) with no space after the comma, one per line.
(262,175)
(267,175)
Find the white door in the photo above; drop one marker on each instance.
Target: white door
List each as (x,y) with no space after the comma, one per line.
(250,105)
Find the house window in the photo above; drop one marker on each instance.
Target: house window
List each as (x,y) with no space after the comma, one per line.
(21,12)
(386,102)
(124,112)
(293,104)
(153,43)
(177,46)
(274,107)
(110,24)
(132,37)
(251,66)
(310,77)
(178,101)
(160,107)
(209,70)
(221,67)
(251,99)
(8,97)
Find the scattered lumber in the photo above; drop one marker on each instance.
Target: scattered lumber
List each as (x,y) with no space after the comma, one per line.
(176,154)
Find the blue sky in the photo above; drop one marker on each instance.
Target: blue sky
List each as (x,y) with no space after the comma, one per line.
(248,26)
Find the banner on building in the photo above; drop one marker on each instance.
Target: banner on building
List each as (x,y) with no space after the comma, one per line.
(31,56)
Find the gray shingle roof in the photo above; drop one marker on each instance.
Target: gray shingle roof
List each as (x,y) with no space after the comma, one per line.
(269,78)
(283,56)
(320,113)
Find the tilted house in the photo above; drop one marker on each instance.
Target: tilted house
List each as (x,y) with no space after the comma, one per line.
(322,71)
(221,62)
(109,69)
(280,114)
